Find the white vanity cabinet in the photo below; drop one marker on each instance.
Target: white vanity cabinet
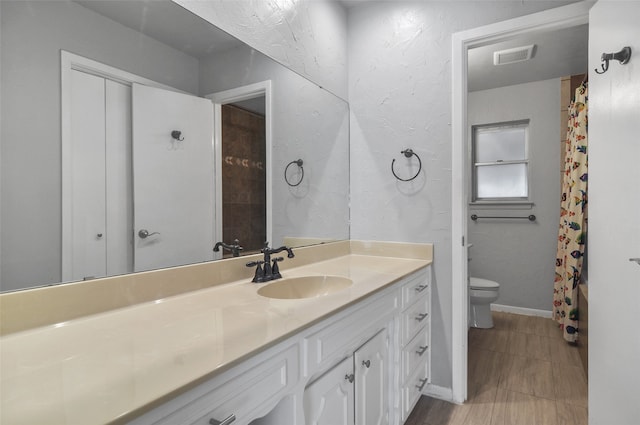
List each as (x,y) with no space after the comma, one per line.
(364,365)
(415,339)
(355,391)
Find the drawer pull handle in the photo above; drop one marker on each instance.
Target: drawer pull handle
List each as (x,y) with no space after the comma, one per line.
(231,418)
(420,288)
(423,382)
(366,363)
(422,350)
(420,317)
(350,378)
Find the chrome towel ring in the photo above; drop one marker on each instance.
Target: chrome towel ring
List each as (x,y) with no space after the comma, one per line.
(407,153)
(299,163)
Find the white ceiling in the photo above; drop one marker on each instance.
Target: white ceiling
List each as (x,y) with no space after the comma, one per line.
(557,54)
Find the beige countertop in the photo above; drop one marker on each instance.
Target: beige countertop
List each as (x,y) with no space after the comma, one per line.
(117,363)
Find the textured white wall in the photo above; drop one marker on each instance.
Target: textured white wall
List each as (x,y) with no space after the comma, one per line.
(520,254)
(307,36)
(400,96)
(308,123)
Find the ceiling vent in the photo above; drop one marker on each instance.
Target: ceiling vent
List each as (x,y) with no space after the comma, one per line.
(517,54)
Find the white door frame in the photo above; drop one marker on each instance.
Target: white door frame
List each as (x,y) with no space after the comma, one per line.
(68,63)
(238,94)
(553,19)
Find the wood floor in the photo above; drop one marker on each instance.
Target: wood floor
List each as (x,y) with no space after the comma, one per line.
(521,372)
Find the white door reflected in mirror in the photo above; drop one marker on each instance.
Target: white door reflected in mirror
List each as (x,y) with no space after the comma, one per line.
(172,178)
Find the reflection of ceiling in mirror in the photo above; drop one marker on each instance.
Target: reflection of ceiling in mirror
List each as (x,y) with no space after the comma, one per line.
(557,54)
(168,23)
(255,105)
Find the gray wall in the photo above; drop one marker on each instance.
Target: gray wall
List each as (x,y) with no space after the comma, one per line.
(32,35)
(400,96)
(520,255)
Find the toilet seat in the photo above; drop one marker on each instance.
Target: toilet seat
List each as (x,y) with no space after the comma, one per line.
(480,284)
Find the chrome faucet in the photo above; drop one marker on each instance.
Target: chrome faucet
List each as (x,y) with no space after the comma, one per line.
(269,271)
(235,248)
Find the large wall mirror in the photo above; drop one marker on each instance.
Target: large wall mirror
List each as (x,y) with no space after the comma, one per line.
(136,135)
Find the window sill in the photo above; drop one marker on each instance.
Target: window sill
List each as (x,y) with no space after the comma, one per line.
(501,205)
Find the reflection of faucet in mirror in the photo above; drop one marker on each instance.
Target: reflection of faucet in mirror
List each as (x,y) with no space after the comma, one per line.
(234,249)
(269,271)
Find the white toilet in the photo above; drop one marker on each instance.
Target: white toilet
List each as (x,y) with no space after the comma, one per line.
(482,293)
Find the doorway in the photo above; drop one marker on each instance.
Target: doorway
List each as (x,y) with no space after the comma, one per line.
(563,17)
(246,103)
(244,215)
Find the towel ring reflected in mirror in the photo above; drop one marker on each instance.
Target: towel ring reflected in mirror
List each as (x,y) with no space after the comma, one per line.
(407,153)
(177,135)
(299,163)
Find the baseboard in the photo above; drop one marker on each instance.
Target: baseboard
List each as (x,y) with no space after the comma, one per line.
(441,393)
(521,310)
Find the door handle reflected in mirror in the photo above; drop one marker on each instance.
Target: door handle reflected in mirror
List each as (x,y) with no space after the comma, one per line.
(144,233)
(420,317)
(422,350)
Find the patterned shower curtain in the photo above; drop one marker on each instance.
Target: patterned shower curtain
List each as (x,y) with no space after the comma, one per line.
(573,220)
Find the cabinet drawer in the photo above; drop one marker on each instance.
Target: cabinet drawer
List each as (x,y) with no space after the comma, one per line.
(417,285)
(415,354)
(338,339)
(242,394)
(412,389)
(415,318)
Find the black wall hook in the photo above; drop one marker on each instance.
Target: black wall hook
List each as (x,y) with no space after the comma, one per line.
(407,153)
(299,163)
(177,135)
(622,56)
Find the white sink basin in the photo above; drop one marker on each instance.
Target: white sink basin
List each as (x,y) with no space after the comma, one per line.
(304,287)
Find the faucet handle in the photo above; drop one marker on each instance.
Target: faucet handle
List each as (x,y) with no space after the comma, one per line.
(259,275)
(236,248)
(275,270)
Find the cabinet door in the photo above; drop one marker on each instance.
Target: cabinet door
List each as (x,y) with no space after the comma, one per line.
(329,399)
(371,370)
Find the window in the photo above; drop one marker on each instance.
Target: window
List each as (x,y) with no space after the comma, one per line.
(500,163)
